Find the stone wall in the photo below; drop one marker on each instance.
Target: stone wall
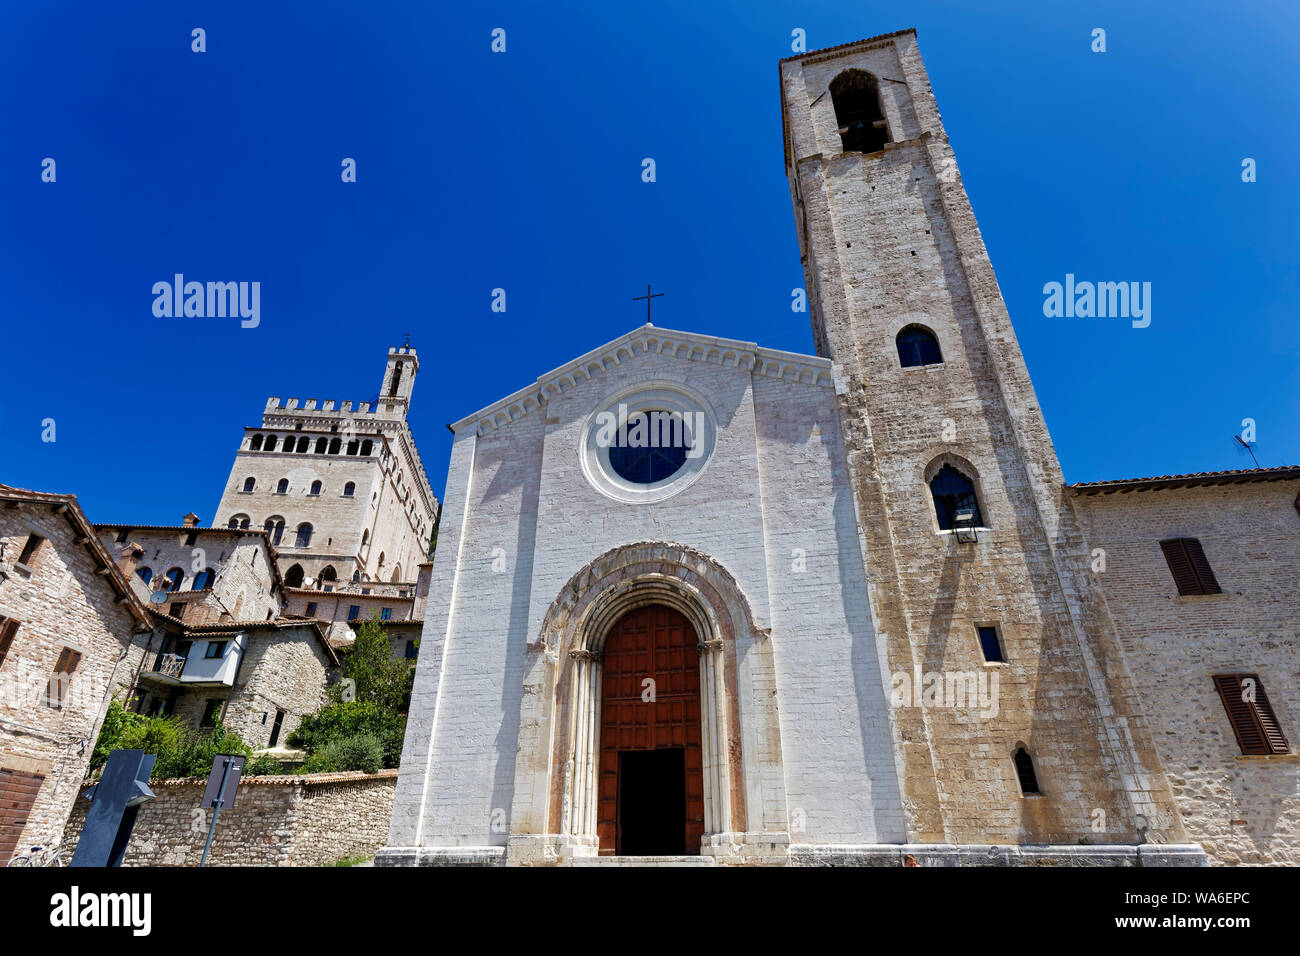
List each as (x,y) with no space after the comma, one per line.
(889,241)
(313,820)
(1242,809)
(60,602)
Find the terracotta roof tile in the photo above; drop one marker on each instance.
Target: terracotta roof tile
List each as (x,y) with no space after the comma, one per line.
(1229,477)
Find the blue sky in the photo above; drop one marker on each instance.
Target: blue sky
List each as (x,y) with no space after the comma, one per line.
(521,170)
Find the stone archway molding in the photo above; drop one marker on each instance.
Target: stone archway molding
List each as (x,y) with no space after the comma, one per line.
(560,748)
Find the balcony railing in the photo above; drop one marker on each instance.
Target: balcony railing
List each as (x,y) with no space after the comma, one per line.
(170,665)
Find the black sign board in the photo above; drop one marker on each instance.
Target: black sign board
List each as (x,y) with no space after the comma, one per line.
(214,788)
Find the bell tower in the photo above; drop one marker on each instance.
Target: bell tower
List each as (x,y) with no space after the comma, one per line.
(399,381)
(977,567)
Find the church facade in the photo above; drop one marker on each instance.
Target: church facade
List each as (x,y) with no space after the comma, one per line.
(707,602)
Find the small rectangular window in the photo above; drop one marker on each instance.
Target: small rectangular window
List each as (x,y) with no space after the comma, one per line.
(61,679)
(990,644)
(215,649)
(178,609)
(1188,565)
(353,611)
(211,713)
(311,608)
(386,614)
(122,536)
(1250,713)
(411,650)
(34,541)
(8,628)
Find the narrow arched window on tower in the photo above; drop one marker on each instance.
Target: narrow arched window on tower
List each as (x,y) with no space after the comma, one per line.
(315,488)
(256,443)
(1025,771)
(270,443)
(861,121)
(397,377)
(250,483)
(918,346)
(953,492)
(321,445)
(335,444)
(366,447)
(349,489)
(304,443)
(304,536)
(353,446)
(282,486)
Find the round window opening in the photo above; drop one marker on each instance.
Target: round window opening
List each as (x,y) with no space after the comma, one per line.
(648,442)
(651,447)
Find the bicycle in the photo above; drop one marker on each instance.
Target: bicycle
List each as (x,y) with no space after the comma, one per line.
(39,856)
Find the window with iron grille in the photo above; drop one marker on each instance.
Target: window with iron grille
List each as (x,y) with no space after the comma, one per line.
(1250,713)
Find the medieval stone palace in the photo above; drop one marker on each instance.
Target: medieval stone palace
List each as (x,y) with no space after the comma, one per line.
(707,602)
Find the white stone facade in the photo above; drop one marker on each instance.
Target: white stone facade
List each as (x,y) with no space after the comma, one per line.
(758,548)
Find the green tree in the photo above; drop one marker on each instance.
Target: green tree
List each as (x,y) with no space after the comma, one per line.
(371,673)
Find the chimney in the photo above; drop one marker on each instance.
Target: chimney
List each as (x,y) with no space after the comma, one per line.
(191,520)
(128,558)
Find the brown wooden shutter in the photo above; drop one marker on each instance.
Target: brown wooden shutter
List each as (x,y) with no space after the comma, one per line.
(1202,567)
(1268,721)
(1253,722)
(18,791)
(1189,567)
(8,628)
(62,677)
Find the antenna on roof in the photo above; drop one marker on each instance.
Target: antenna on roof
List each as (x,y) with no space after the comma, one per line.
(1246,445)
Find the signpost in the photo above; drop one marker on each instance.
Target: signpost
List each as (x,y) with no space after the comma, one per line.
(114,802)
(224,778)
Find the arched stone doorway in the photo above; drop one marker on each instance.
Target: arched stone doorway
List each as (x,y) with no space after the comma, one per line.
(651,785)
(556,796)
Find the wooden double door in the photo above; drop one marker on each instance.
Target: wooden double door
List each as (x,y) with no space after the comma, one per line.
(651,785)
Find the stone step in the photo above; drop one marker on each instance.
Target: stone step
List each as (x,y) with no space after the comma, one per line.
(643,861)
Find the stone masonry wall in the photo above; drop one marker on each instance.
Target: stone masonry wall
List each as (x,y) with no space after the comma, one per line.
(889,241)
(64,603)
(1242,809)
(313,820)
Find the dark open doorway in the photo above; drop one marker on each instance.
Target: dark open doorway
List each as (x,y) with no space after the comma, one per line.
(652,802)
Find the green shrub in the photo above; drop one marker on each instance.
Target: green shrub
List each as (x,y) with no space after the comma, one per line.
(263,765)
(155,735)
(362,752)
(351,719)
(194,756)
(117,721)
